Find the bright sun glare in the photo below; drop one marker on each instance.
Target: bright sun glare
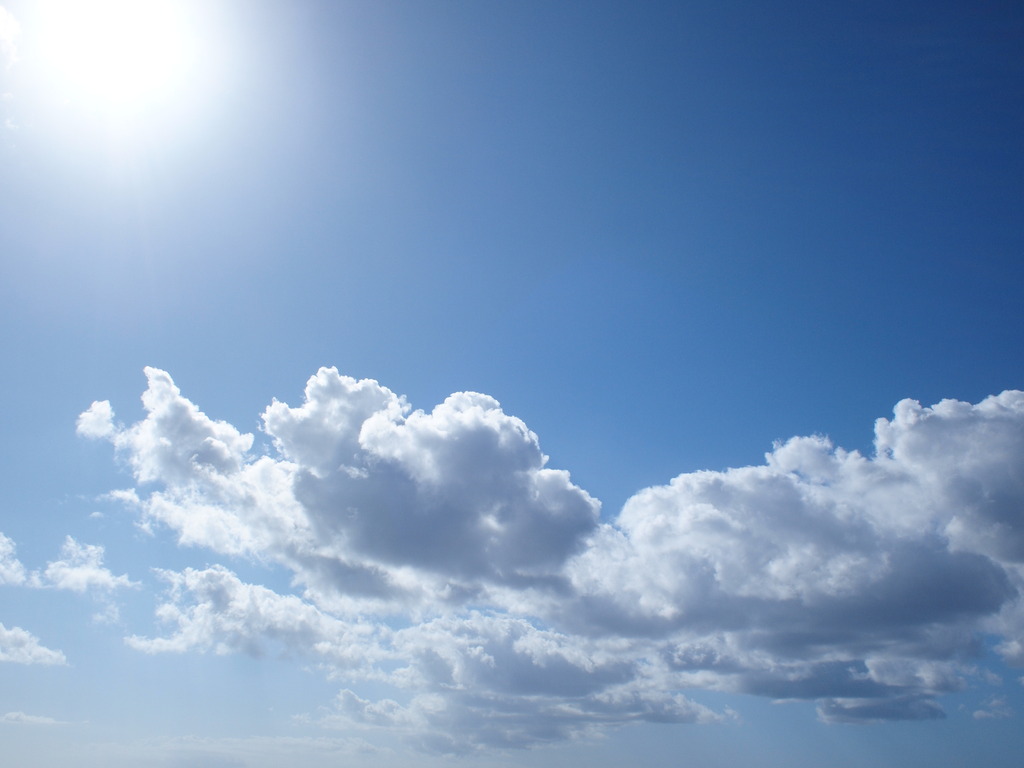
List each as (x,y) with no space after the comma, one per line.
(121,53)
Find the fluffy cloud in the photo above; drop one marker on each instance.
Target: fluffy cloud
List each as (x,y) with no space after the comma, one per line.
(175,443)
(213,609)
(508,683)
(371,505)
(21,647)
(825,574)
(79,569)
(437,553)
(496,681)
(11,569)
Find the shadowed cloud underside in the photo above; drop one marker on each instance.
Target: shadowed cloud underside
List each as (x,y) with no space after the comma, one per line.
(437,554)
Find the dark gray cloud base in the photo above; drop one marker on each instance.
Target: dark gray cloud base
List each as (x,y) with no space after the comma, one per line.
(437,553)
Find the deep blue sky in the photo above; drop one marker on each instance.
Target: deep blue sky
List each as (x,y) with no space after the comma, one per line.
(662,236)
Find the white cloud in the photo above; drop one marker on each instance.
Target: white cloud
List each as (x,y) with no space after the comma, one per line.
(20,647)
(11,569)
(490,681)
(97,421)
(212,609)
(459,670)
(994,708)
(369,504)
(175,442)
(826,574)
(79,569)
(862,582)
(20,718)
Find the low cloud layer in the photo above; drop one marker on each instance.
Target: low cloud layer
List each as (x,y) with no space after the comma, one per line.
(436,553)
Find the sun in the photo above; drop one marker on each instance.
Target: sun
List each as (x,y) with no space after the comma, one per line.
(117,53)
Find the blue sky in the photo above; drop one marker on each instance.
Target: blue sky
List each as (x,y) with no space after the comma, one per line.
(511,382)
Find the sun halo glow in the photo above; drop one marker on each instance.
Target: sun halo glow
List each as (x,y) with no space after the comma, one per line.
(117,54)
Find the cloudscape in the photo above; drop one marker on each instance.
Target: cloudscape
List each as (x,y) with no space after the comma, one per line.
(511,384)
(438,554)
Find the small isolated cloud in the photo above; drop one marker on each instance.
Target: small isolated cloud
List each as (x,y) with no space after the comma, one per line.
(10,30)
(20,647)
(20,718)
(993,709)
(79,569)
(436,553)
(97,421)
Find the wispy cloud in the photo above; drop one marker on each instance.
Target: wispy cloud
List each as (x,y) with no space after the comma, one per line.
(994,708)
(436,552)
(20,718)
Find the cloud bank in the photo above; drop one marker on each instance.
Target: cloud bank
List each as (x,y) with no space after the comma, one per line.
(438,554)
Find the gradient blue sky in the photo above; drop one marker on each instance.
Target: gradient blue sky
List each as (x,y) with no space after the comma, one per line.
(664,237)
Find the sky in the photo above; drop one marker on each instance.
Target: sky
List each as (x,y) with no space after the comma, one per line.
(511,383)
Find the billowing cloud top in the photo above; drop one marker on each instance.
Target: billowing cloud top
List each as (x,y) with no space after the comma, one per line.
(437,552)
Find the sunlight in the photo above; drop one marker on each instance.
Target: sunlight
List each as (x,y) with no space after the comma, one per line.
(117,54)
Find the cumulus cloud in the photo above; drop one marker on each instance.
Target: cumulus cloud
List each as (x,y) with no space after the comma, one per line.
(494,681)
(822,573)
(437,553)
(373,506)
(97,421)
(175,443)
(11,569)
(21,647)
(471,680)
(212,609)
(510,683)
(79,569)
